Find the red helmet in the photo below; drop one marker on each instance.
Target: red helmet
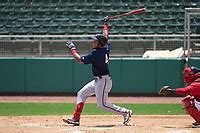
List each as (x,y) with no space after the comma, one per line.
(191,74)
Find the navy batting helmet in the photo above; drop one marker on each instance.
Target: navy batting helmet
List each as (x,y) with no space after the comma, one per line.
(102,40)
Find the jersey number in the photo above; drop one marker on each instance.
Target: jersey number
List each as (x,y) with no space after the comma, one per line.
(106,58)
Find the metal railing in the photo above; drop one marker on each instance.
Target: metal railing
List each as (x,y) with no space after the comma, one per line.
(121,45)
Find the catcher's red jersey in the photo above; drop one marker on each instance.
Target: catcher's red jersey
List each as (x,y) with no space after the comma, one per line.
(193,89)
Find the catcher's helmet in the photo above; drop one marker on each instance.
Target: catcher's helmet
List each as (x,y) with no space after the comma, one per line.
(191,74)
(102,40)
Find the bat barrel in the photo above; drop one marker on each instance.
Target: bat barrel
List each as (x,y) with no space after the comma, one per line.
(128,13)
(138,11)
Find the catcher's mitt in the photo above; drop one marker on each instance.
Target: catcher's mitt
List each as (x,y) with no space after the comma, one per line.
(165,90)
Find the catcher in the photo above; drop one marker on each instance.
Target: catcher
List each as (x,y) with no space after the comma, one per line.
(191,103)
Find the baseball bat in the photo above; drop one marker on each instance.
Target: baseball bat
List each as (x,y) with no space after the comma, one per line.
(133,12)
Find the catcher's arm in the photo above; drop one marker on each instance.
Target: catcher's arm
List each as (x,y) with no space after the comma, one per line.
(166,90)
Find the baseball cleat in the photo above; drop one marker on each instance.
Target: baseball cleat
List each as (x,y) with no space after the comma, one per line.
(127,118)
(72,121)
(196,125)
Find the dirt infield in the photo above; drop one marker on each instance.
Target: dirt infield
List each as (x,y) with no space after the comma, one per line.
(99,123)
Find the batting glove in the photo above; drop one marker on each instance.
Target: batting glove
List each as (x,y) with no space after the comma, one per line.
(106,19)
(70,45)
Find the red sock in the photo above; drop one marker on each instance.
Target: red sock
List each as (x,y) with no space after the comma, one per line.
(79,108)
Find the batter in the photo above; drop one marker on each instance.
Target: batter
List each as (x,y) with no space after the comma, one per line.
(102,83)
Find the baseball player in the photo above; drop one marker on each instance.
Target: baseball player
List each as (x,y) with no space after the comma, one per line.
(102,83)
(191,103)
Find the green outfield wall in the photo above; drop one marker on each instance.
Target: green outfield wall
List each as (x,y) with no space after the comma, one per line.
(194,62)
(64,75)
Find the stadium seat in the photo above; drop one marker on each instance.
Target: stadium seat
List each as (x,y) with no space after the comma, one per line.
(55,1)
(87,25)
(137,24)
(4,32)
(60,19)
(49,25)
(57,31)
(31,25)
(19,31)
(149,18)
(133,30)
(39,31)
(1,25)
(42,1)
(13,25)
(76,31)
(20,1)
(79,19)
(122,25)
(130,31)
(114,31)
(132,19)
(164,31)
(146,31)
(4,1)
(24,20)
(68,25)
(76,14)
(93,32)
(94,12)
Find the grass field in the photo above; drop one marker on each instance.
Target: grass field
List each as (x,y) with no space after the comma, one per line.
(28,109)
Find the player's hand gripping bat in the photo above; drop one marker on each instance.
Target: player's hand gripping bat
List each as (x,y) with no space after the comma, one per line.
(138,11)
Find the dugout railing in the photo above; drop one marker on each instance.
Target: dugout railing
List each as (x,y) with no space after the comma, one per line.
(134,45)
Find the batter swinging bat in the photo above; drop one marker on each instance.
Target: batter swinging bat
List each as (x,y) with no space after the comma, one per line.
(128,13)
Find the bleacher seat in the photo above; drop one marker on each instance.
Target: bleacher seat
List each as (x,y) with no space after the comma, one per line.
(57,31)
(164,31)
(13,25)
(86,26)
(79,19)
(133,31)
(4,32)
(122,25)
(38,31)
(113,31)
(75,31)
(68,25)
(74,14)
(20,31)
(42,18)
(50,25)
(31,25)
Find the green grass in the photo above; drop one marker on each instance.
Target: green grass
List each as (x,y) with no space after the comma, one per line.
(27,109)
